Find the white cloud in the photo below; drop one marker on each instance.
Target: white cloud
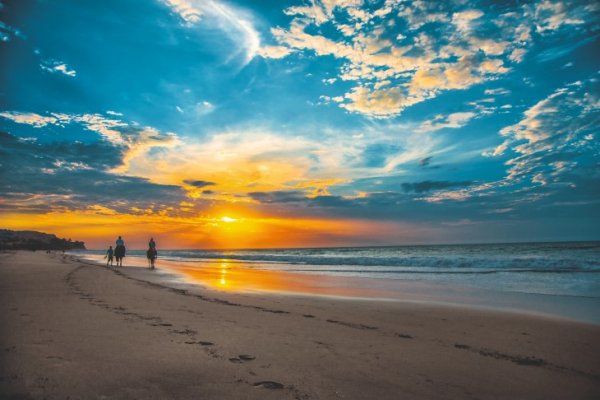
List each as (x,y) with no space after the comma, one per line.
(551,145)
(33,119)
(455,120)
(553,15)
(394,71)
(235,22)
(464,19)
(497,92)
(60,67)
(274,52)
(204,107)
(559,124)
(186,9)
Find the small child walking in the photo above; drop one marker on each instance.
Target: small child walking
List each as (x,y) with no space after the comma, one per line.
(109,256)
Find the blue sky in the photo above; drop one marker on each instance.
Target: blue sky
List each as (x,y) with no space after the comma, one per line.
(459,120)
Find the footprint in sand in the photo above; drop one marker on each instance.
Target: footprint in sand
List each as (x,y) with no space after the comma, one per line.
(242,358)
(202,343)
(185,332)
(268,385)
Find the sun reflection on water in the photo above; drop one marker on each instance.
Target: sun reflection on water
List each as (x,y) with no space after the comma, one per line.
(223,280)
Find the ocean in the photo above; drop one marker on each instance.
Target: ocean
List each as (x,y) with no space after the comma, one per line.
(563,268)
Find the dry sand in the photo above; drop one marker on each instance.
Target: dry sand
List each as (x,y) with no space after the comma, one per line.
(74,330)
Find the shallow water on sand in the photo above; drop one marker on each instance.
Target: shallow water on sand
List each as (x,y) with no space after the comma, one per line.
(560,279)
(566,268)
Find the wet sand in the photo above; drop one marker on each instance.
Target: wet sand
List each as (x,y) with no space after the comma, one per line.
(72,329)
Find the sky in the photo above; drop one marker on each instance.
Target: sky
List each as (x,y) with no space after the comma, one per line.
(304,123)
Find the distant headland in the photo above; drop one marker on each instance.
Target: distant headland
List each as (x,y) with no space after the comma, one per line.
(32,240)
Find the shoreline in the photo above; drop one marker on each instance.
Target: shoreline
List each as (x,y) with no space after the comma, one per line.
(86,331)
(247,281)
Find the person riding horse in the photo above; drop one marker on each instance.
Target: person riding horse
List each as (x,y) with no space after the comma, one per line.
(120,251)
(151,253)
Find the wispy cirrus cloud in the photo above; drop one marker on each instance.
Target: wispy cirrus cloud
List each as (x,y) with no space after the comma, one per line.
(548,142)
(235,22)
(189,12)
(547,147)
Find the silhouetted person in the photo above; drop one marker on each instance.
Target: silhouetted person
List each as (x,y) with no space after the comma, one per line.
(109,256)
(151,253)
(120,251)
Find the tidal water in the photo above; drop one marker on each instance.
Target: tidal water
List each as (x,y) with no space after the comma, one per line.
(563,268)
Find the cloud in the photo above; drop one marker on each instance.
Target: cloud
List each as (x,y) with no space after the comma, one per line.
(550,153)
(186,9)
(427,186)
(33,119)
(235,22)
(6,31)
(57,67)
(278,196)
(561,51)
(63,176)
(204,108)
(240,162)
(549,136)
(463,47)
(552,15)
(454,120)
(274,52)
(425,161)
(198,183)
(497,92)
(246,160)
(133,139)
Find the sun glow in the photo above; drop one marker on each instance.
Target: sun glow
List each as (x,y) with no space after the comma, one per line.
(98,227)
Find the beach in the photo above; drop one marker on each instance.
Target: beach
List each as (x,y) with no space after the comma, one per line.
(73,329)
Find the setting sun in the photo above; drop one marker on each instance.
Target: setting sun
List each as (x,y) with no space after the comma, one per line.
(228,219)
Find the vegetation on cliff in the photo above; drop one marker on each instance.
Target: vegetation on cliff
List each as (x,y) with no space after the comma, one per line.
(32,240)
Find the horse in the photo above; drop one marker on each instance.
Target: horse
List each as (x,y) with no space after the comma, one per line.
(151,254)
(119,254)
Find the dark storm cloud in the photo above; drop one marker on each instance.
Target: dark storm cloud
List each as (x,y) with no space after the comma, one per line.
(73,176)
(281,196)
(427,186)
(198,183)
(425,161)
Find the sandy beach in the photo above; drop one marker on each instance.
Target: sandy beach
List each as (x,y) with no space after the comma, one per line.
(81,331)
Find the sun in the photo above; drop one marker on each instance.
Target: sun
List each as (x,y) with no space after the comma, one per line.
(228,219)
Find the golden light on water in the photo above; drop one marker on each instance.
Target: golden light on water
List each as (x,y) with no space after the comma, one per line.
(240,278)
(223,280)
